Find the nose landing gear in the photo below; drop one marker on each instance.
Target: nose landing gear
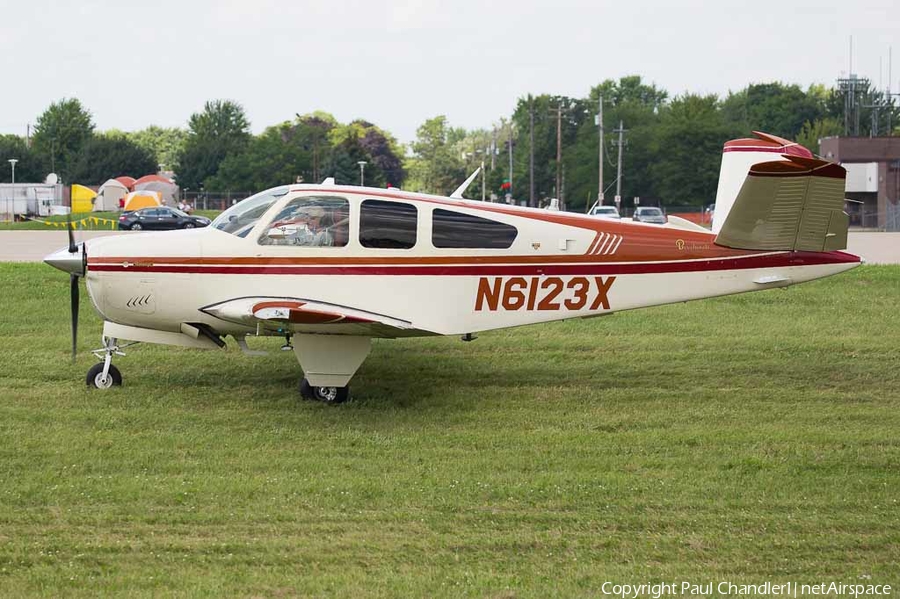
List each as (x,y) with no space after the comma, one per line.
(104,375)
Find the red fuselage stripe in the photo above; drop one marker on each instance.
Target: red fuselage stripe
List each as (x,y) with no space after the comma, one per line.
(765,261)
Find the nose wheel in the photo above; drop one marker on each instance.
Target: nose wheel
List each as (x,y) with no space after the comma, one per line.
(98,380)
(332,395)
(104,375)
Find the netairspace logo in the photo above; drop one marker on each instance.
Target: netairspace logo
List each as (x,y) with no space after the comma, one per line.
(787,589)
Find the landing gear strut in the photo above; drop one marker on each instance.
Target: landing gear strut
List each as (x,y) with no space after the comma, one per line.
(333,395)
(104,375)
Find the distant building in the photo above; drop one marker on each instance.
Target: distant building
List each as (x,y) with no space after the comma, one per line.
(29,199)
(873,178)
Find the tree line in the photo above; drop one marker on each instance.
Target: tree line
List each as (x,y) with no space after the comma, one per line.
(671,153)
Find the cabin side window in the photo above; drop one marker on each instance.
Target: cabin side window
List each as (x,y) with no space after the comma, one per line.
(243,216)
(455,230)
(310,221)
(387,225)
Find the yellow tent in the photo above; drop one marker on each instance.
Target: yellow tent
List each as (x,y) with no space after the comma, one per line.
(142,199)
(81,199)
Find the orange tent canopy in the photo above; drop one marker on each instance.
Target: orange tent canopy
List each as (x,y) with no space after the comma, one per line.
(142,199)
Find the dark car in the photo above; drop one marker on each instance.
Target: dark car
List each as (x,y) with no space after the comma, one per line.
(159,218)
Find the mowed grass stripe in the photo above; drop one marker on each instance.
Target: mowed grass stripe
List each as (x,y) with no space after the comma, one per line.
(747,438)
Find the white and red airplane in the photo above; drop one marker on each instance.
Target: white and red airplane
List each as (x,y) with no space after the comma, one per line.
(330,267)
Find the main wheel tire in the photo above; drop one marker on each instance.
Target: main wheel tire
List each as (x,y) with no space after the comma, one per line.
(95,377)
(332,395)
(136,227)
(189,225)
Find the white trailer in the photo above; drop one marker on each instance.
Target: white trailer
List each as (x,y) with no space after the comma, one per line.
(29,199)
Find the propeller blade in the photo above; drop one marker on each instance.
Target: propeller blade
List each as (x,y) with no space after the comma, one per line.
(72,247)
(73,292)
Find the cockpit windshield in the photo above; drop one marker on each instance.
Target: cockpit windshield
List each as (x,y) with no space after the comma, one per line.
(240,218)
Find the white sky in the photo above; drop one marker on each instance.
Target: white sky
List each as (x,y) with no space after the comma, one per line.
(397,64)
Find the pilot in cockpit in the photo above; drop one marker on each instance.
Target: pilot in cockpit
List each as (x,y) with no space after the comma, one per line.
(306,226)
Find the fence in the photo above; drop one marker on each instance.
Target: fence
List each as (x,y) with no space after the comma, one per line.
(210,200)
(33,199)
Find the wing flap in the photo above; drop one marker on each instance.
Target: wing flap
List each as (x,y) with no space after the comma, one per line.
(307,315)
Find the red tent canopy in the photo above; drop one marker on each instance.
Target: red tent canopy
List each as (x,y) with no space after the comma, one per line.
(127,181)
(154,178)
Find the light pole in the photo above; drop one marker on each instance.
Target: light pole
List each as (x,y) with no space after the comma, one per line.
(362,172)
(12,164)
(600,152)
(482,179)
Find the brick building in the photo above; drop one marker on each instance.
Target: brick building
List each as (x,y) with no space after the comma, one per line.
(873,178)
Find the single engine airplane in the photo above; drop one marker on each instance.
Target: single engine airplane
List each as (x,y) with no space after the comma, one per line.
(330,267)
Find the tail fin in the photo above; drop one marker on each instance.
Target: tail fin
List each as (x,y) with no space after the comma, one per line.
(738,156)
(794,203)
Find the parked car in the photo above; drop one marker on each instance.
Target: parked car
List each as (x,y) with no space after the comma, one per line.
(605,212)
(159,218)
(649,214)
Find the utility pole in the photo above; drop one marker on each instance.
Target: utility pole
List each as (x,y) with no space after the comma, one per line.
(621,131)
(600,152)
(493,147)
(562,204)
(562,184)
(531,150)
(509,130)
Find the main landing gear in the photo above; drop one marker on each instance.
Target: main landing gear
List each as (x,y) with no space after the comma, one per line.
(329,362)
(332,395)
(104,375)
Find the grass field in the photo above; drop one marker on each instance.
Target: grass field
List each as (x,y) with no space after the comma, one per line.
(749,439)
(83,219)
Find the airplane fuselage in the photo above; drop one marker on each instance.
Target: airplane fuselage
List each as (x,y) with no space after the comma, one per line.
(558,266)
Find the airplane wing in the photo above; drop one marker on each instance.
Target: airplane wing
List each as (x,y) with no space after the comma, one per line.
(303,315)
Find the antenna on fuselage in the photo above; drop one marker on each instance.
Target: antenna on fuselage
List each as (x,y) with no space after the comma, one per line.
(328,181)
(459,190)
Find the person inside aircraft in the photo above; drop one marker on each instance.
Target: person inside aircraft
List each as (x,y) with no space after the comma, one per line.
(305,225)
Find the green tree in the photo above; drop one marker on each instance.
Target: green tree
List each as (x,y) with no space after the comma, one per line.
(688,150)
(275,157)
(217,132)
(28,167)
(343,160)
(312,132)
(812,132)
(435,166)
(385,155)
(776,108)
(544,135)
(106,156)
(59,134)
(165,144)
(636,105)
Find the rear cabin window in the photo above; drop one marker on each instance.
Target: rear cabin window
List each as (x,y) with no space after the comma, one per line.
(457,230)
(387,225)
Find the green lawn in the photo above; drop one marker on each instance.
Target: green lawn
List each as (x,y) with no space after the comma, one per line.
(84,221)
(747,439)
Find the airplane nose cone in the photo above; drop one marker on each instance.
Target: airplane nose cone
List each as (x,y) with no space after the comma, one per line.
(70,262)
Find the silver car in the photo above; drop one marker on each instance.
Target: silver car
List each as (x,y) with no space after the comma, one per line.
(605,212)
(649,214)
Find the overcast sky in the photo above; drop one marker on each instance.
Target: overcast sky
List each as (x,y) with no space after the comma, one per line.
(399,63)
